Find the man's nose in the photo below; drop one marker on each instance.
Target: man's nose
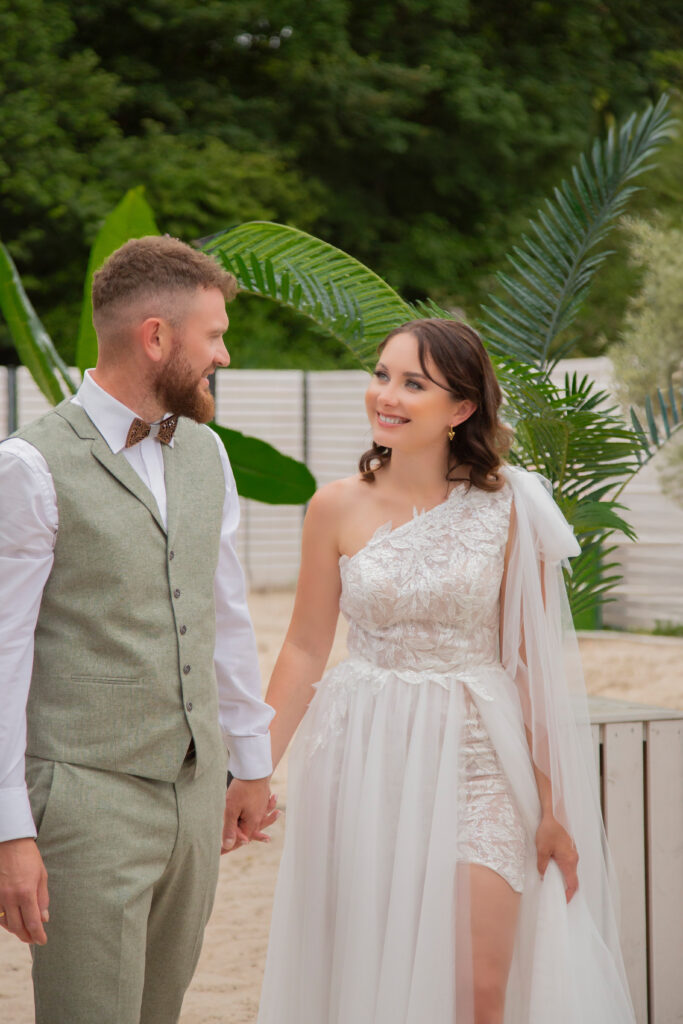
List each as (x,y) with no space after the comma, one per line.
(222,356)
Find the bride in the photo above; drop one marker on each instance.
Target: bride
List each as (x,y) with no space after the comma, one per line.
(444,856)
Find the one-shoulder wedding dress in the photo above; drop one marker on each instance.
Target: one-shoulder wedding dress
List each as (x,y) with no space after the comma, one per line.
(412,761)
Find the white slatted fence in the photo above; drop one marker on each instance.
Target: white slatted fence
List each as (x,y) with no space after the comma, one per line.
(639,751)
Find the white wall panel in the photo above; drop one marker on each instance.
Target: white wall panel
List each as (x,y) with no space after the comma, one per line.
(338,429)
(31,403)
(4,401)
(267,404)
(652,587)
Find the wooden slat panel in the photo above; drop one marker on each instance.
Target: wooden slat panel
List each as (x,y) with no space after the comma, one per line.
(665,881)
(624,815)
(606,710)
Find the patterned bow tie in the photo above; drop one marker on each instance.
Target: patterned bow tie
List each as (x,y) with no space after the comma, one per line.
(139,430)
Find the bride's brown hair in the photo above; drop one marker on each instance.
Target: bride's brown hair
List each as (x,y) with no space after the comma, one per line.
(482,440)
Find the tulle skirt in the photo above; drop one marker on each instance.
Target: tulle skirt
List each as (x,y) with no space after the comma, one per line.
(371,921)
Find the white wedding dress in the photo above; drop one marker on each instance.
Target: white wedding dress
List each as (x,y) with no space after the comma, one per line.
(412,760)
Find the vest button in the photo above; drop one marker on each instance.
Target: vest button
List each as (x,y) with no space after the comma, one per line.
(183,630)
(171,556)
(176,592)
(189,705)
(186,669)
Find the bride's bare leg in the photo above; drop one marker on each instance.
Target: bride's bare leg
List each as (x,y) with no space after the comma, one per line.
(494,906)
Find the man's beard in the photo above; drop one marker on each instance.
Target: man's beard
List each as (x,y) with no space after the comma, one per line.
(180,391)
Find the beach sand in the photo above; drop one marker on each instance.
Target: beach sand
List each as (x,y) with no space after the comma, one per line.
(225,989)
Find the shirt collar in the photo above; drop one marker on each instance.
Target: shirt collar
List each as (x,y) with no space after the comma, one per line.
(111,417)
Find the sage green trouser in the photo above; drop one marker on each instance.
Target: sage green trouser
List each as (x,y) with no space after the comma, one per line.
(132,868)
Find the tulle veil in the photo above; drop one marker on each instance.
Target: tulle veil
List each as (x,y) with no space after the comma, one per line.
(576,965)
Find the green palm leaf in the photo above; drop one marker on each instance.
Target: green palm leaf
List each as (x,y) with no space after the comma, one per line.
(33,344)
(131,218)
(652,437)
(338,293)
(591,579)
(263,473)
(551,272)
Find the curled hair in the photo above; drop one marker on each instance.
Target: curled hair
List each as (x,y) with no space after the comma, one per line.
(152,266)
(482,440)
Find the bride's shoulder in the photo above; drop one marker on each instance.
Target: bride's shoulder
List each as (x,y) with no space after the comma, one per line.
(338,496)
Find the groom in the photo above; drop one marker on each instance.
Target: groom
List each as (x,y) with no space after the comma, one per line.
(127,657)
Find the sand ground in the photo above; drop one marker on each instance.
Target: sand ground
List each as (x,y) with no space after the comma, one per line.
(225,989)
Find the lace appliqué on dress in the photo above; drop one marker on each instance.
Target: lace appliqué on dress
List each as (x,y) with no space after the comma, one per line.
(491,830)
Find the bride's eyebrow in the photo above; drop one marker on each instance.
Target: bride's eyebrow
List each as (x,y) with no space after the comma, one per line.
(407,373)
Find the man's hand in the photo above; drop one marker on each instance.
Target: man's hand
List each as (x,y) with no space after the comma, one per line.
(552,840)
(23,890)
(246,807)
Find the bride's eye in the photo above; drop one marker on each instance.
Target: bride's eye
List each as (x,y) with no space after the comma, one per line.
(380,374)
(414,386)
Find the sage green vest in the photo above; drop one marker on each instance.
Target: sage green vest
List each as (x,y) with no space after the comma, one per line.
(123,671)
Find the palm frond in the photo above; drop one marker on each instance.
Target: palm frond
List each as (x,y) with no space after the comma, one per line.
(552,270)
(652,435)
(338,293)
(592,577)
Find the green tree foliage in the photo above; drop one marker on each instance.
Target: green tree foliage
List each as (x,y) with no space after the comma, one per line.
(661,196)
(651,344)
(416,136)
(68,153)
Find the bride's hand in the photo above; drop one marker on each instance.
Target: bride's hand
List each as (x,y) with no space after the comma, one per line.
(269,818)
(553,840)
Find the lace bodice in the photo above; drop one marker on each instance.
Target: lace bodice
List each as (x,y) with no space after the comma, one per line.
(425,596)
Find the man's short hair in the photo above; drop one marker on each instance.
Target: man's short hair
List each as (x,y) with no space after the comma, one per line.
(153,267)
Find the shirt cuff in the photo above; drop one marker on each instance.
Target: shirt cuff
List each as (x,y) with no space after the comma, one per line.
(249,757)
(16,820)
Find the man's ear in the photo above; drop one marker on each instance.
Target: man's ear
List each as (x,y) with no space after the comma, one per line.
(155,338)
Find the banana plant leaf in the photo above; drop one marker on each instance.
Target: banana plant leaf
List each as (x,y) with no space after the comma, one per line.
(131,218)
(263,473)
(32,342)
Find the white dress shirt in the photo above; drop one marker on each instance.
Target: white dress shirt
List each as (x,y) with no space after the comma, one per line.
(28,530)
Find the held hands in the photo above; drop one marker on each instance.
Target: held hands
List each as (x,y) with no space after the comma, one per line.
(249,809)
(23,891)
(553,840)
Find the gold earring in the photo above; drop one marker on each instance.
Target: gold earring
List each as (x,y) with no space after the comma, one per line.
(451,433)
